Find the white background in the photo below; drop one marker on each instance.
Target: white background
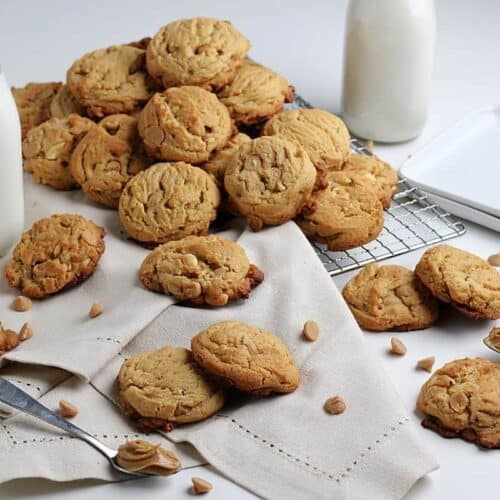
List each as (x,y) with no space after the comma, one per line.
(303,40)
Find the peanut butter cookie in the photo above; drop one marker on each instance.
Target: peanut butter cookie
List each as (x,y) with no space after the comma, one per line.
(168,201)
(110,81)
(184,124)
(201,269)
(57,252)
(48,147)
(376,172)
(324,136)
(269,180)
(165,387)
(200,51)
(346,214)
(255,94)
(462,279)
(383,298)
(33,103)
(462,399)
(108,157)
(63,104)
(248,358)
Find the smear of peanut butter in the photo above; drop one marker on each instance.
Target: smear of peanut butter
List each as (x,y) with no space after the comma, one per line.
(494,337)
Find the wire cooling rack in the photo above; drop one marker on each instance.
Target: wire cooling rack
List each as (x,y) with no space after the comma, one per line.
(412,221)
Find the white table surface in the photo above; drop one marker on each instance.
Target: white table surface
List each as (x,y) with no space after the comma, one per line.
(302,40)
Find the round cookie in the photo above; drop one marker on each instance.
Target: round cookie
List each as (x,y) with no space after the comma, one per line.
(184,124)
(47,150)
(107,158)
(384,298)
(376,172)
(269,181)
(63,104)
(324,136)
(33,103)
(255,94)
(248,358)
(462,399)
(200,269)
(162,387)
(168,201)
(57,252)
(110,81)
(344,215)
(462,279)
(200,51)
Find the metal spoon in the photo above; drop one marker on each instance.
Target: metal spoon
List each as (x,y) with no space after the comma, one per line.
(16,398)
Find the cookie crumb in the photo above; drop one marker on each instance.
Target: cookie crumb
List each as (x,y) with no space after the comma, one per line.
(397,347)
(255,223)
(26,332)
(21,304)
(310,331)
(96,309)
(426,363)
(67,410)
(335,405)
(494,260)
(8,339)
(200,486)
(368,144)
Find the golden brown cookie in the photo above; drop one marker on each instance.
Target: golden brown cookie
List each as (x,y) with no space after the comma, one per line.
(462,399)
(246,357)
(63,104)
(164,387)
(57,252)
(33,103)
(110,81)
(199,51)
(462,279)
(48,147)
(344,215)
(384,298)
(255,94)
(376,172)
(108,157)
(184,124)
(269,180)
(323,135)
(200,269)
(168,201)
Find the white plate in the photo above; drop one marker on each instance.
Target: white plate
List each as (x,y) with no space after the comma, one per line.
(462,164)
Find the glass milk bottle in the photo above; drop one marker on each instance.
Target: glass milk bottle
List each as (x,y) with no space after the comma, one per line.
(388,62)
(11,170)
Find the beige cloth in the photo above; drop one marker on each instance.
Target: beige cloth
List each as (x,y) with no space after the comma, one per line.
(278,447)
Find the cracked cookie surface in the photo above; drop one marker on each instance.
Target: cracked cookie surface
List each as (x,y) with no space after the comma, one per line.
(47,150)
(199,51)
(63,104)
(346,214)
(57,252)
(184,124)
(462,399)
(168,201)
(200,269)
(462,279)
(166,386)
(269,180)
(111,80)
(248,358)
(108,157)
(255,94)
(384,298)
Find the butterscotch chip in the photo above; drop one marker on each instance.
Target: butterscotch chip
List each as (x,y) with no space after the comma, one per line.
(9,339)
(96,309)
(67,410)
(21,303)
(335,405)
(494,260)
(26,332)
(397,347)
(426,363)
(201,486)
(311,330)
(63,104)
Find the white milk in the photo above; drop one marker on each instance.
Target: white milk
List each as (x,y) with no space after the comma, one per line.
(388,62)
(11,170)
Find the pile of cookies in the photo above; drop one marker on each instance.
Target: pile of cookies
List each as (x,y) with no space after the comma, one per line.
(175,129)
